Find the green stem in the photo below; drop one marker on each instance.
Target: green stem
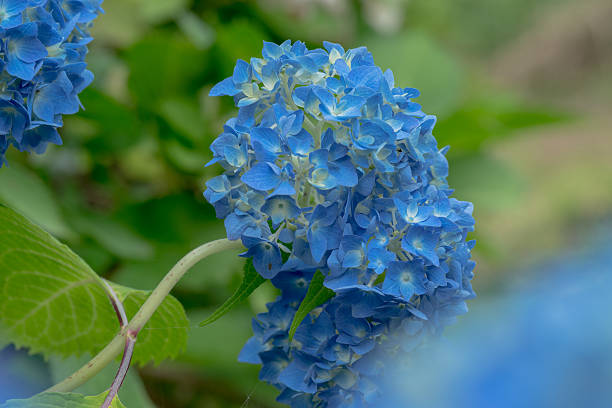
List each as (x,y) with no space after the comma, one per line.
(114,348)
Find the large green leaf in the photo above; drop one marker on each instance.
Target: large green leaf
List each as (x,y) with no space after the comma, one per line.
(52,302)
(251,281)
(317,295)
(165,334)
(24,190)
(62,400)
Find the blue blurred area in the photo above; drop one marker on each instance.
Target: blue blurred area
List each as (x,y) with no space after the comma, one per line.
(545,342)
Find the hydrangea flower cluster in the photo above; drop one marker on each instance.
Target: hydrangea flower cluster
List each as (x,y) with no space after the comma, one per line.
(43,46)
(329,167)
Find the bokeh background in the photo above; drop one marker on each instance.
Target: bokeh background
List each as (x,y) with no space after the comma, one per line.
(522,90)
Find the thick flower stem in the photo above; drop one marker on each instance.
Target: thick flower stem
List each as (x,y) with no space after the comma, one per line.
(112,349)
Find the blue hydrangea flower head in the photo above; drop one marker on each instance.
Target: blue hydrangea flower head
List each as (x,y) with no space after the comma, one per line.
(331,167)
(42,70)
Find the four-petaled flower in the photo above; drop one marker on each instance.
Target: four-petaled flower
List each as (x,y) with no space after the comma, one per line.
(405,279)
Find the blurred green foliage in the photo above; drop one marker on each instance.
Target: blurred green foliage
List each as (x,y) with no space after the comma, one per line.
(125,191)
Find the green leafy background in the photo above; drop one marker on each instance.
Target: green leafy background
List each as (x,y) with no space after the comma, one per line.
(529,134)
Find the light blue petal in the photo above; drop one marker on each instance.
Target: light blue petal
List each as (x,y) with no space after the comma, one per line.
(20,69)
(271,50)
(225,87)
(262,176)
(294,377)
(29,49)
(318,243)
(250,352)
(241,72)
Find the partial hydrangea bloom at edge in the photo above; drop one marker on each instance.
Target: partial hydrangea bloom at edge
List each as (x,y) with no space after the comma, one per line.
(329,166)
(43,47)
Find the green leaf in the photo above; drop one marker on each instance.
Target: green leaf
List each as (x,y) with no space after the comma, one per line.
(52,302)
(23,189)
(4,341)
(380,278)
(317,295)
(164,335)
(251,281)
(62,400)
